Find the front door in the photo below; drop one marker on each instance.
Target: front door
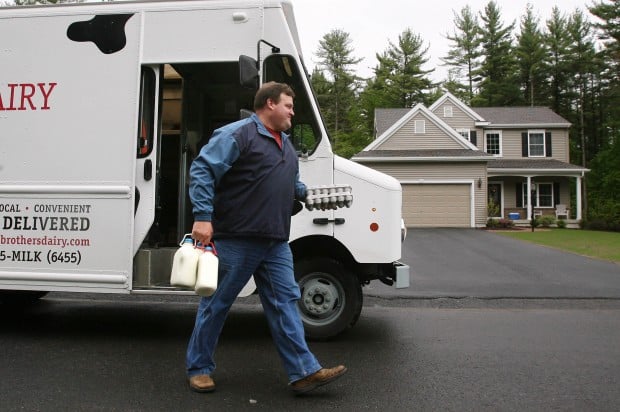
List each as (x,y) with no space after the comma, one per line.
(494,202)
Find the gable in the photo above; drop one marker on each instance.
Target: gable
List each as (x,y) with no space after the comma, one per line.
(432,133)
(454,115)
(406,138)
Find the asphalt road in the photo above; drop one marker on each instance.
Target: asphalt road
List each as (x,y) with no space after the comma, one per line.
(464,263)
(128,355)
(489,324)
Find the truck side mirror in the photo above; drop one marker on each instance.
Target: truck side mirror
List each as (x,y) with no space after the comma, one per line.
(248,72)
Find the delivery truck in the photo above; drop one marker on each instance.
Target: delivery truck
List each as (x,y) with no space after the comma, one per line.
(103,107)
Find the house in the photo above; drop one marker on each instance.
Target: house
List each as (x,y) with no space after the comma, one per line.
(459,165)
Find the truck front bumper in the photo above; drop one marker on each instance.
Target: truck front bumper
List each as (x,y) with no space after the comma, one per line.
(401,275)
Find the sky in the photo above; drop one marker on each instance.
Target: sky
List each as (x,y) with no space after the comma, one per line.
(371,24)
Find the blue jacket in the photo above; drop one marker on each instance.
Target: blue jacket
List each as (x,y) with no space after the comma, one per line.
(244,184)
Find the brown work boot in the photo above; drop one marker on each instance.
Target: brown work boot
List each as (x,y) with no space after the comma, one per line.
(201,383)
(319,378)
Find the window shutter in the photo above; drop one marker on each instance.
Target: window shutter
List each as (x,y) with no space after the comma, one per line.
(473,138)
(519,195)
(524,148)
(548,144)
(556,193)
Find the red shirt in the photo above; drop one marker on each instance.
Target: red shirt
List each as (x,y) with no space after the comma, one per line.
(277,136)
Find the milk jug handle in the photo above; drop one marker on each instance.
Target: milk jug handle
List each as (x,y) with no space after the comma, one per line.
(185,237)
(213,247)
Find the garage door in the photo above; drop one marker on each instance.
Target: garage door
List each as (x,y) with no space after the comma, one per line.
(437,205)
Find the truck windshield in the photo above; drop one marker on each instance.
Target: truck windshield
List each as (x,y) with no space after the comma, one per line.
(305,133)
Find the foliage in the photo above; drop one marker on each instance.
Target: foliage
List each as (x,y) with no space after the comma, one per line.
(400,80)
(531,54)
(604,189)
(492,208)
(464,55)
(546,221)
(337,83)
(500,223)
(492,223)
(499,84)
(561,223)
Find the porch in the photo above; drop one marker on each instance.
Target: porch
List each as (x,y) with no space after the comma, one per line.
(537,188)
(520,218)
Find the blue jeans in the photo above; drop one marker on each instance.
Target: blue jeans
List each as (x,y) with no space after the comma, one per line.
(271,262)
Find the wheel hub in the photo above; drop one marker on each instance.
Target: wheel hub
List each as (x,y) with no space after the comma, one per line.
(319,297)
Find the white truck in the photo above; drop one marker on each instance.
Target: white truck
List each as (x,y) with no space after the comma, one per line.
(103,106)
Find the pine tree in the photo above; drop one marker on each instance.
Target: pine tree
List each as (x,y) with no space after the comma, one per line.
(558,41)
(464,54)
(337,63)
(499,86)
(400,79)
(531,54)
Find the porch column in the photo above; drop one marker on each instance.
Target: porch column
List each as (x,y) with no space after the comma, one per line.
(529,197)
(578,200)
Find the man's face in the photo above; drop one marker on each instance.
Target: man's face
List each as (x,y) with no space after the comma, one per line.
(282,113)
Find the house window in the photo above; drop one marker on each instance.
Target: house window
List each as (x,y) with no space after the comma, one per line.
(493,142)
(536,143)
(447,111)
(542,194)
(420,127)
(464,133)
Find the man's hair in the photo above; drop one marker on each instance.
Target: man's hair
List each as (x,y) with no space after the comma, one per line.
(271,90)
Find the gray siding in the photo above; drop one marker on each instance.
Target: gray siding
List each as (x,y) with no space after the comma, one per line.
(406,139)
(512,143)
(459,119)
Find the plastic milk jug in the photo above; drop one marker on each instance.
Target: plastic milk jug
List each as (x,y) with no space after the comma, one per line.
(206,280)
(185,264)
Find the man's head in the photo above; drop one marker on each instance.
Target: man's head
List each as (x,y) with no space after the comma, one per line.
(273,104)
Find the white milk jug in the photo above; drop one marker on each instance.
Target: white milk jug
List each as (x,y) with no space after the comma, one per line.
(206,280)
(185,264)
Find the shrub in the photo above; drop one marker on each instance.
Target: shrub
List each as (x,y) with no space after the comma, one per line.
(547,221)
(505,223)
(492,223)
(561,223)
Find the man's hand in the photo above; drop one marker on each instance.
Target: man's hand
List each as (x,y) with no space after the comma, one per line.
(202,232)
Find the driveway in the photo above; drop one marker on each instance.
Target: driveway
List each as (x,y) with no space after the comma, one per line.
(483,264)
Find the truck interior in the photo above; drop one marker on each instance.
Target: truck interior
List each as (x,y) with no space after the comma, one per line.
(194,100)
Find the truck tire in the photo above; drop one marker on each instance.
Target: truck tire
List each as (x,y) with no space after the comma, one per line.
(331,297)
(20,297)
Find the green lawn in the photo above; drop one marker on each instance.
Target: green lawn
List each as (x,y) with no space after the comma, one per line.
(601,245)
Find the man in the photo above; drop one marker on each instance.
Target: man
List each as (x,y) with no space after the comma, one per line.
(243,184)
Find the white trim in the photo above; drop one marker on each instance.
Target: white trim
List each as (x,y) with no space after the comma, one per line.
(460,130)
(65,189)
(420,108)
(419,126)
(523,125)
(449,96)
(421,159)
(501,138)
(86,278)
(544,142)
(536,172)
(537,185)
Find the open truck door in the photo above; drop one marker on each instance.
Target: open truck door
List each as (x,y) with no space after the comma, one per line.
(67,207)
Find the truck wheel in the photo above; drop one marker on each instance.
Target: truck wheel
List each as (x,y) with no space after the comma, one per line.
(331,297)
(20,297)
